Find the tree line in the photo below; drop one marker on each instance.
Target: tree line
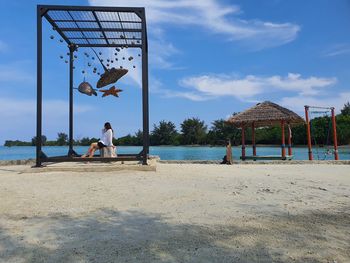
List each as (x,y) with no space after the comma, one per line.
(194,131)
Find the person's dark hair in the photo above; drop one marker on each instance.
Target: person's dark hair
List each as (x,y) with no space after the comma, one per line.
(108,126)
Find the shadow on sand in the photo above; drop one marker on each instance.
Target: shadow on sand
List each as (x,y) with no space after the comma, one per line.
(112,236)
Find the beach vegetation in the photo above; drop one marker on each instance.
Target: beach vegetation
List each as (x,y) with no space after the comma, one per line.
(62,139)
(164,133)
(221,131)
(193,131)
(346,109)
(343,129)
(43,140)
(10,143)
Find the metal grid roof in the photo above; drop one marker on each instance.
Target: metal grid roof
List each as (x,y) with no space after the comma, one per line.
(98,26)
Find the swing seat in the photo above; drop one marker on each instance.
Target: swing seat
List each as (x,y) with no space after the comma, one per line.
(108,151)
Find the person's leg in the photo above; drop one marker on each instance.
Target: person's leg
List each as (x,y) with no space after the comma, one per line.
(224,160)
(94,147)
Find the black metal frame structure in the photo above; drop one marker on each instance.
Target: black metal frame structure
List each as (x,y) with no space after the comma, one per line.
(93,26)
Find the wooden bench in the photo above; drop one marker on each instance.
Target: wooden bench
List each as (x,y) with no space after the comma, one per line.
(267,157)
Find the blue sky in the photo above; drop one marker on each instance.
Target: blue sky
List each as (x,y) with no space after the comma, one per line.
(207,58)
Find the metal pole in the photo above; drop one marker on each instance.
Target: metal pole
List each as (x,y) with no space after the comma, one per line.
(283,145)
(39,88)
(253,139)
(308,132)
(290,153)
(145,107)
(243,143)
(335,141)
(71,61)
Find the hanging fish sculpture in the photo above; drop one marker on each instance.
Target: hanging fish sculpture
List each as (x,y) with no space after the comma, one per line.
(110,76)
(86,88)
(111,91)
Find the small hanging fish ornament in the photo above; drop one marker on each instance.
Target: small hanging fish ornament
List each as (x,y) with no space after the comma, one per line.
(86,88)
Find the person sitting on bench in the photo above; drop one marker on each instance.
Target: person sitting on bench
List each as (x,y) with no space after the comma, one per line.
(105,141)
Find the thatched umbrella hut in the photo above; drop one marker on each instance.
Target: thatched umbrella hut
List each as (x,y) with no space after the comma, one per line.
(266,114)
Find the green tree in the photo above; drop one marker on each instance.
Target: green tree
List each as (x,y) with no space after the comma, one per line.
(125,141)
(85,141)
(267,135)
(10,143)
(62,139)
(321,130)
(43,140)
(221,131)
(299,135)
(193,131)
(139,138)
(163,134)
(343,129)
(346,109)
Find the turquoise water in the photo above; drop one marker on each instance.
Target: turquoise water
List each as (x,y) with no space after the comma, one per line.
(170,152)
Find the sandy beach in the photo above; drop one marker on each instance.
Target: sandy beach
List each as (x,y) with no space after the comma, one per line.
(180,213)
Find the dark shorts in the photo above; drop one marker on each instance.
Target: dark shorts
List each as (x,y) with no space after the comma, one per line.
(100,145)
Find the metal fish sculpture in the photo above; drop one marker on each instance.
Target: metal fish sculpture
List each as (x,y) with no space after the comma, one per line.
(86,88)
(111,91)
(110,76)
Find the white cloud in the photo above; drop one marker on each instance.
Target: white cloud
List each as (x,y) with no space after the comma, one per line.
(336,50)
(297,103)
(216,17)
(294,82)
(156,86)
(163,52)
(210,87)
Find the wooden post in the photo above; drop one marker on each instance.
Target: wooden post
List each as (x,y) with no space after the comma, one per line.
(308,132)
(229,152)
(243,144)
(335,142)
(283,146)
(290,153)
(253,139)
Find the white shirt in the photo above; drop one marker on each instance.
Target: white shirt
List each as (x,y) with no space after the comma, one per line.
(107,137)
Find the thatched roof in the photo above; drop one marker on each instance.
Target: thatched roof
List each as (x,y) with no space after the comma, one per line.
(265,114)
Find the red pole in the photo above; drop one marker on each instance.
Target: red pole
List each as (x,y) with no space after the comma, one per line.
(290,153)
(335,141)
(243,144)
(308,132)
(283,141)
(253,139)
